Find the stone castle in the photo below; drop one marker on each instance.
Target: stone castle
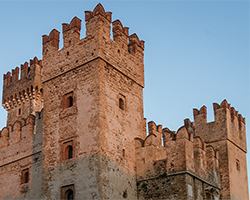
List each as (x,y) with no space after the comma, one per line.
(76,130)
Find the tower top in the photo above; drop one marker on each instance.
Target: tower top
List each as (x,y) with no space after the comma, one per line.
(18,88)
(96,44)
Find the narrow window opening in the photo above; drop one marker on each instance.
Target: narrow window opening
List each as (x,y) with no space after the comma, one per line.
(26,177)
(121,103)
(28,72)
(19,112)
(70,194)
(237,164)
(67,53)
(123,152)
(70,151)
(125,194)
(68,100)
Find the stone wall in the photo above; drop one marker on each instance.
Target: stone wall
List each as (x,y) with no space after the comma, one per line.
(227,135)
(19,156)
(76,123)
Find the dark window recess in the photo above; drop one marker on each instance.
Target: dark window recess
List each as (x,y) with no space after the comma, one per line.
(68,100)
(121,103)
(70,194)
(70,152)
(125,194)
(237,164)
(25,176)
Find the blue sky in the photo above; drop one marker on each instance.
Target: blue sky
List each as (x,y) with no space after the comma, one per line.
(196,52)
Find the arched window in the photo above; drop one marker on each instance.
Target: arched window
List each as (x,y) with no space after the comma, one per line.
(69,151)
(121,103)
(69,194)
(68,100)
(26,177)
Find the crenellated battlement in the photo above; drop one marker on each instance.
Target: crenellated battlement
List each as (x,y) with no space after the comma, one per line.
(202,111)
(91,94)
(228,124)
(17,91)
(134,42)
(217,107)
(181,152)
(98,10)
(95,25)
(71,32)
(26,70)
(234,114)
(51,42)
(21,138)
(96,44)
(12,133)
(120,34)
(74,24)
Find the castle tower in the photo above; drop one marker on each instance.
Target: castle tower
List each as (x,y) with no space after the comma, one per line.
(22,93)
(75,127)
(94,109)
(226,134)
(21,139)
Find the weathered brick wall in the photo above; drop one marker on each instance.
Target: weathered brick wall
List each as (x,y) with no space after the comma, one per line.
(238,173)
(92,94)
(22,92)
(98,71)
(118,127)
(188,163)
(227,135)
(79,124)
(179,186)
(20,155)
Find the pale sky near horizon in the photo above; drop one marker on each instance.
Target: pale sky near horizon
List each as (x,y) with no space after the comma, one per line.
(196,52)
